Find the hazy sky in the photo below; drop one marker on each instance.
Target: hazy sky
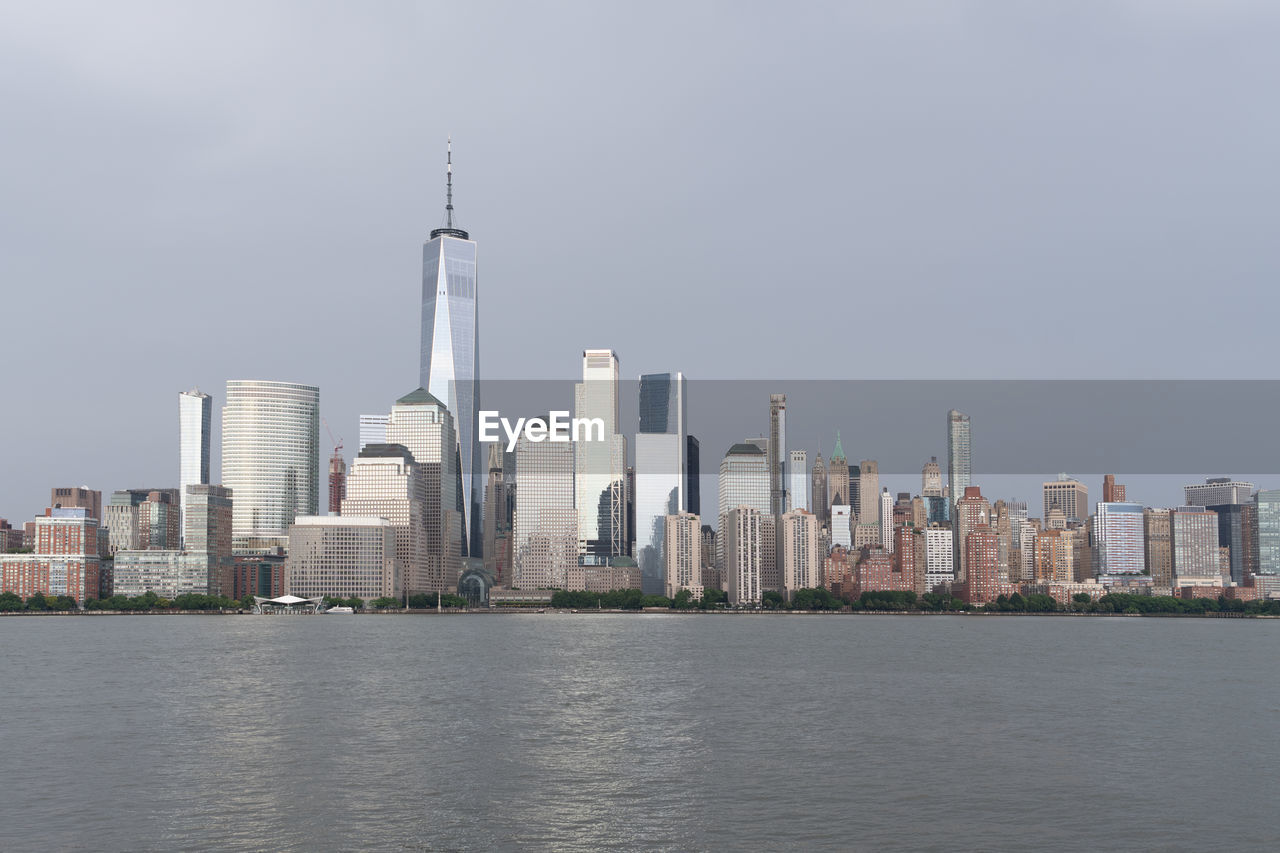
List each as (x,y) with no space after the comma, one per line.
(196,192)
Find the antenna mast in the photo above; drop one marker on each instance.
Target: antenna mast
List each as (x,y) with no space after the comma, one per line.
(448,205)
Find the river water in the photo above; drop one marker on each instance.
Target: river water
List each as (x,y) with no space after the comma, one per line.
(589,731)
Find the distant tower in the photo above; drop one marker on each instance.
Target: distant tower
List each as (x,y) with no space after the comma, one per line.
(838,485)
(778,454)
(195,417)
(337,481)
(337,474)
(959,470)
(821,506)
(449,367)
(931,479)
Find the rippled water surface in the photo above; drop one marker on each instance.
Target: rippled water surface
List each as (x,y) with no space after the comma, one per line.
(619,731)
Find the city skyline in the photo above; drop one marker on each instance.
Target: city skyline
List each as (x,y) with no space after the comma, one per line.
(318,211)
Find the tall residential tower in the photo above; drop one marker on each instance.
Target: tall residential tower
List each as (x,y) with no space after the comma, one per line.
(195,418)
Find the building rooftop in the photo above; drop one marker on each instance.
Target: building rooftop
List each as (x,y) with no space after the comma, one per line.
(420,397)
(386,451)
(741,449)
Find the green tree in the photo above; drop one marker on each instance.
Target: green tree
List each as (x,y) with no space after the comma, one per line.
(771,600)
(713,599)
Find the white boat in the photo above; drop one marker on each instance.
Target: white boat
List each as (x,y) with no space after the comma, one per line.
(341,610)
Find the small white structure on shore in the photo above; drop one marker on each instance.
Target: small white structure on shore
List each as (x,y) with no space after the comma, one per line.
(286,605)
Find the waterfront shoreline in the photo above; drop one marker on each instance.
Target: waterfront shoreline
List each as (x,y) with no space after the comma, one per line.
(515,611)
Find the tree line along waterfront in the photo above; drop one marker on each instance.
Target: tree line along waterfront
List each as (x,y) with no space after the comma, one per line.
(815,600)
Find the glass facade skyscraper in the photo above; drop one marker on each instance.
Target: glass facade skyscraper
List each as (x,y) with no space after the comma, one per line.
(270,459)
(195,419)
(450,356)
(1267,511)
(660,479)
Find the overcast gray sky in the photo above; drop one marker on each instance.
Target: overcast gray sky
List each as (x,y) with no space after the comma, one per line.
(196,192)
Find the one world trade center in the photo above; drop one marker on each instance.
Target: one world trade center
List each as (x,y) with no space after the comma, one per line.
(449,368)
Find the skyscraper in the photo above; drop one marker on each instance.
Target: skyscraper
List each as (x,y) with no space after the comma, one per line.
(545,525)
(1112,492)
(424,425)
(778,453)
(868,501)
(743,549)
(801,555)
(931,479)
(499,497)
(1118,538)
(1266,505)
(683,554)
(959,469)
(885,520)
(600,465)
(1069,495)
(195,419)
(818,482)
(660,477)
(270,459)
(798,475)
(972,511)
(744,479)
(1218,491)
(838,485)
(337,481)
(387,483)
(346,556)
(373,430)
(450,360)
(207,512)
(1193,535)
(1158,556)
(693,474)
(939,557)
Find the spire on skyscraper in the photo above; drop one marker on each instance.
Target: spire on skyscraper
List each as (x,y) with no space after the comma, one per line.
(838,453)
(448,182)
(448,228)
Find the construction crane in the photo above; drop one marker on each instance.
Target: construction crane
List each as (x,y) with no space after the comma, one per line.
(337,442)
